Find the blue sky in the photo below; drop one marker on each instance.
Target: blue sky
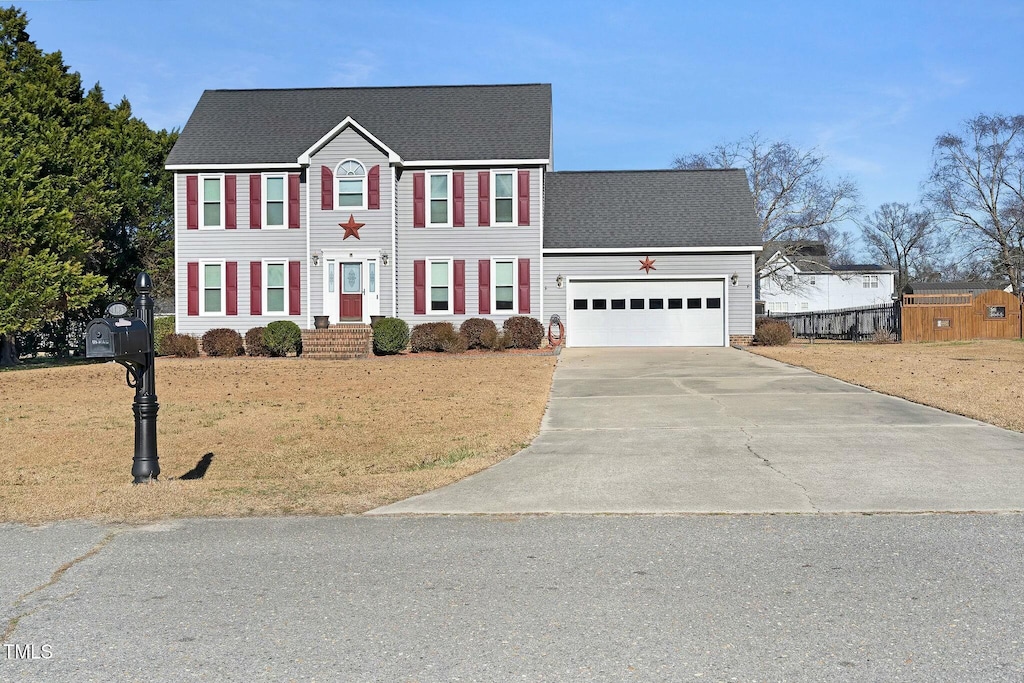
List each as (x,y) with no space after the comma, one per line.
(870,84)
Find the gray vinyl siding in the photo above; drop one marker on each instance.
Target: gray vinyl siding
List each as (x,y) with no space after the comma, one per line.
(471,243)
(241,245)
(374,236)
(740,297)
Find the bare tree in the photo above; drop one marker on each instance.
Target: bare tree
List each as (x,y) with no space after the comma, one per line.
(794,199)
(977,187)
(900,237)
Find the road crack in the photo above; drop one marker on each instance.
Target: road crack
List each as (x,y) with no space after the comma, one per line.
(768,463)
(12,623)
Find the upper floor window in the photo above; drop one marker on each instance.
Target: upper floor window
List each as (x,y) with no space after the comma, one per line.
(211,199)
(870,281)
(275,207)
(503,204)
(439,186)
(351,180)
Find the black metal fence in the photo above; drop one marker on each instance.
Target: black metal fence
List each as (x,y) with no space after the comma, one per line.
(853,324)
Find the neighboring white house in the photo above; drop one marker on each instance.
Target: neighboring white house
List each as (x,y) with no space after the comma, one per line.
(804,282)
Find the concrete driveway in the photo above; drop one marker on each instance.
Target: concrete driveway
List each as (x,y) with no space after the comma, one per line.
(722,430)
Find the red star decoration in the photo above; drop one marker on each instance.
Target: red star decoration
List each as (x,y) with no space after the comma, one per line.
(351,227)
(647,264)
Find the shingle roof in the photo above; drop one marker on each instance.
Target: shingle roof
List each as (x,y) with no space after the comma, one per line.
(419,122)
(647,209)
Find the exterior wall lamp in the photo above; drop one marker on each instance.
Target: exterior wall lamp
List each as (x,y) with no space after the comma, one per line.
(383,259)
(316,257)
(559,281)
(735,279)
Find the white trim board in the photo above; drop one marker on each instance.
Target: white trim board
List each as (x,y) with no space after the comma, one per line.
(305,157)
(654,250)
(231,167)
(476,162)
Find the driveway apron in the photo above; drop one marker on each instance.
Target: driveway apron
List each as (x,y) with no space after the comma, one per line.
(713,430)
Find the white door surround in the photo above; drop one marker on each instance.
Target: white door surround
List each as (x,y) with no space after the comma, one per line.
(331,262)
(647,311)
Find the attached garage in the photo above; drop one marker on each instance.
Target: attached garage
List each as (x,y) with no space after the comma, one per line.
(646,312)
(650,258)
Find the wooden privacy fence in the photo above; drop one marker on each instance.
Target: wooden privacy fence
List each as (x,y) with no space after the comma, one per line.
(853,324)
(994,314)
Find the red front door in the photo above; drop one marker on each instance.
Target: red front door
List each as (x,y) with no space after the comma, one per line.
(351,291)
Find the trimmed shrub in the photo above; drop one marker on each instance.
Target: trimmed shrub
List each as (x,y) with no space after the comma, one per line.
(283,337)
(473,331)
(162,327)
(493,340)
(769,332)
(222,341)
(180,345)
(390,336)
(523,332)
(450,340)
(428,336)
(254,343)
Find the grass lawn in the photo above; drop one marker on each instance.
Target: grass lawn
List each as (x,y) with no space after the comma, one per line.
(288,436)
(979,379)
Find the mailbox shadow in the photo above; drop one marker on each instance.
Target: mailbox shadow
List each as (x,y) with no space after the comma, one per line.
(199,471)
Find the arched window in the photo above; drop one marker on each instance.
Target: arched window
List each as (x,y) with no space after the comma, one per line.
(351,178)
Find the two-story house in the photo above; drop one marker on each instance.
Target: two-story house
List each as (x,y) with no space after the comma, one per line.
(799,278)
(440,203)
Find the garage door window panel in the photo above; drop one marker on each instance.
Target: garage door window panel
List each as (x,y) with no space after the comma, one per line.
(600,304)
(693,303)
(656,304)
(618,304)
(675,303)
(579,304)
(714,302)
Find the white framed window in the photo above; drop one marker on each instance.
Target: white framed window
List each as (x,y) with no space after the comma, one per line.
(504,207)
(504,294)
(211,202)
(211,288)
(275,200)
(811,280)
(350,185)
(439,199)
(804,305)
(439,287)
(275,287)
(778,306)
(870,281)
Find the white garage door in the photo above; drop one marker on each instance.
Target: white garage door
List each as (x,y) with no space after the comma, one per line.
(646,313)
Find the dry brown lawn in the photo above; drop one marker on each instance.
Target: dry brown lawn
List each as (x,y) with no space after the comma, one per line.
(979,379)
(288,436)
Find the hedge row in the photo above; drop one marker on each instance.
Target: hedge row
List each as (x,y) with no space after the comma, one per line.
(279,338)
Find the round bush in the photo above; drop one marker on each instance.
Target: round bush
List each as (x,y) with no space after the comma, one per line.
(180,345)
(162,327)
(428,336)
(474,330)
(222,341)
(390,336)
(769,332)
(283,337)
(451,341)
(493,340)
(254,344)
(523,332)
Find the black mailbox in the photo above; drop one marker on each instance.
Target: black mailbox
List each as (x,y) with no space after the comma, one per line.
(116,338)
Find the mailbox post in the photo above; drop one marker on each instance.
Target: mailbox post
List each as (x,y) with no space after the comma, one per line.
(129,342)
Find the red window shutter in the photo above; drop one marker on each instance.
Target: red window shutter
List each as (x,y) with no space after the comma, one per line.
(192,201)
(484,286)
(373,188)
(230,202)
(255,209)
(255,288)
(459,268)
(419,286)
(193,288)
(524,285)
(326,189)
(524,198)
(294,288)
(231,287)
(459,199)
(293,200)
(483,198)
(419,202)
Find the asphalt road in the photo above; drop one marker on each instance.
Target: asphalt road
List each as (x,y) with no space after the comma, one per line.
(751,598)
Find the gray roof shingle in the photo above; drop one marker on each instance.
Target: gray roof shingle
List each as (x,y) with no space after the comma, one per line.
(464,122)
(648,209)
